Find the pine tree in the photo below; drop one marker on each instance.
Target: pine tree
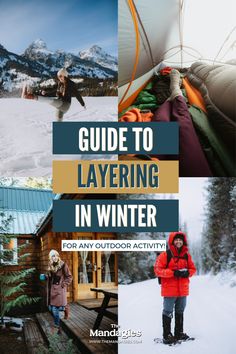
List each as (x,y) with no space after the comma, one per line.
(8,181)
(12,283)
(219,236)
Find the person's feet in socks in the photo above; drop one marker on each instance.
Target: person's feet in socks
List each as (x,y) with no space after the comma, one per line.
(175,83)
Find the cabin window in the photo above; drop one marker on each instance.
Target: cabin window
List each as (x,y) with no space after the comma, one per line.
(9,252)
(108,267)
(86,267)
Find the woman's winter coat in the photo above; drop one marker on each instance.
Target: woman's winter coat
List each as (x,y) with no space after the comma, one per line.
(57,286)
(68,89)
(172,286)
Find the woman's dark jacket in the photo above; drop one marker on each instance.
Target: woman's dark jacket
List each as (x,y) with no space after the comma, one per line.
(68,89)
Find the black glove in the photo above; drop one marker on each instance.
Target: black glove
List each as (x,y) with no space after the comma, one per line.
(184,273)
(177,273)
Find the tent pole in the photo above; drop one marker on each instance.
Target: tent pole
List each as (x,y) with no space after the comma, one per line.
(181,7)
(137,36)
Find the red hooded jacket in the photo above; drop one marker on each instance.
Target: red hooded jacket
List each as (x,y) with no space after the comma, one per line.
(171,285)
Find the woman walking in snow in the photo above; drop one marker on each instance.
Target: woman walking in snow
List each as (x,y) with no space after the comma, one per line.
(58,278)
(174,268)
(66,89)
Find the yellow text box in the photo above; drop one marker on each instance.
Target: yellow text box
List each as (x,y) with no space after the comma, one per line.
(96,176)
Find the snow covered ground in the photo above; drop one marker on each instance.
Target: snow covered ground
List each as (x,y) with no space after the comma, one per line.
(209,316)
(26,133)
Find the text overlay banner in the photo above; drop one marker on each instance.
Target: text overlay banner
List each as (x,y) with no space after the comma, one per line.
(115,176)
(114,245)
(116,138)
(115,215)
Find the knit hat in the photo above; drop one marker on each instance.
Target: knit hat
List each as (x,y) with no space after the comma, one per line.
(53,253)
(63,72)
(181,236)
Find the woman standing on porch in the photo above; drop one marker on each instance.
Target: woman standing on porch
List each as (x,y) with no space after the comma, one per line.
(59,277)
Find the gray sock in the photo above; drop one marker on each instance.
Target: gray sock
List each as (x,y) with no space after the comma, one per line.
(175,84)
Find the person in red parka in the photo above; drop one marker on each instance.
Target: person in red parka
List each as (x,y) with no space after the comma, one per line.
(174,271)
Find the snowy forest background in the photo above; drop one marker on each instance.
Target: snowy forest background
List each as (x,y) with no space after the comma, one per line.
(213,252)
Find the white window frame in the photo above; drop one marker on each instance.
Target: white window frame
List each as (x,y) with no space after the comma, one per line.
(15,254)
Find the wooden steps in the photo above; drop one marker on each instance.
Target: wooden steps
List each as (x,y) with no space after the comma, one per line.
(33,336)
(78,326)
(45,321)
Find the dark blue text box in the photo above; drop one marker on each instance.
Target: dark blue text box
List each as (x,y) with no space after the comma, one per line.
(64,215)
(165,138)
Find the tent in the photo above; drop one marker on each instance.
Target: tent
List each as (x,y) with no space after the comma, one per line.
(199,35)
(176,32)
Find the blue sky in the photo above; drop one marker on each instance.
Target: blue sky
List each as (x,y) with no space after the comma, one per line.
(71,25)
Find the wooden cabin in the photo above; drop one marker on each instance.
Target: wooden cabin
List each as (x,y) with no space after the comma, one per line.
(32,225)
(26,207)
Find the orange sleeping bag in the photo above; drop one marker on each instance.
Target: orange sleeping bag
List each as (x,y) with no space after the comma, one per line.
(194,96)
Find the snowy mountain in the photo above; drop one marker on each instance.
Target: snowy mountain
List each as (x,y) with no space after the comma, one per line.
(37,50)
(39,63)
(53,61)
(97,55)
(15,68)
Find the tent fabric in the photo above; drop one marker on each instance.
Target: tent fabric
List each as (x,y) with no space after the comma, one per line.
(149,26)
(132,96)
(177,32)
(158,21)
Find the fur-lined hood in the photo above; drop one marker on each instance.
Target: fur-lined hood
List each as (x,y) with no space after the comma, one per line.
(55,267)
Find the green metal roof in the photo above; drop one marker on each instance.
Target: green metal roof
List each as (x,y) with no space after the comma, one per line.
(14,198)
(27,206)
